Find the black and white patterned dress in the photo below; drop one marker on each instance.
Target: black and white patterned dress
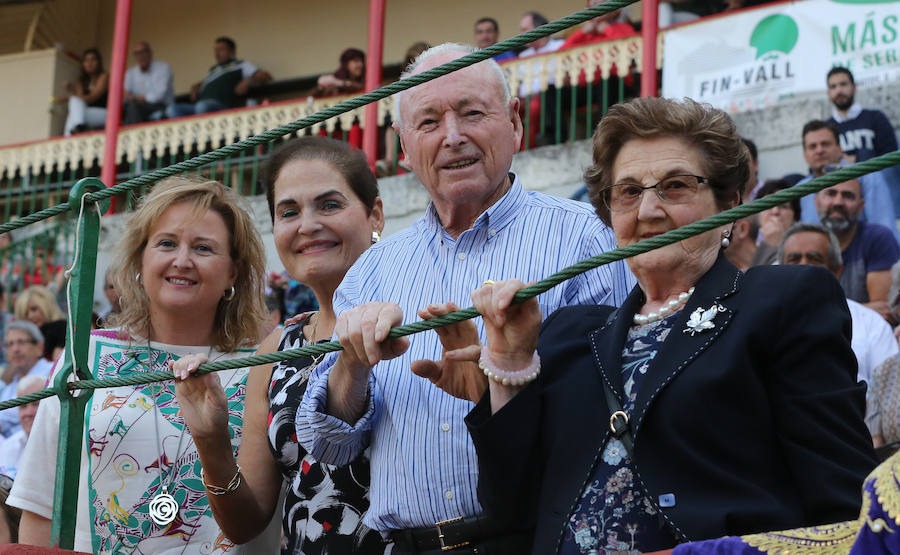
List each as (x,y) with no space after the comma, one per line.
(324,504)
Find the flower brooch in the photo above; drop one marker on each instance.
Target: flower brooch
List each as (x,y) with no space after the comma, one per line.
(702,319)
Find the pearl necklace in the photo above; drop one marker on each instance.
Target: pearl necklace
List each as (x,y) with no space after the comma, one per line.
(665,310)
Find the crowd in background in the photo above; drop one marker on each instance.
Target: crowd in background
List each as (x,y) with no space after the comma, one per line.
(149,93)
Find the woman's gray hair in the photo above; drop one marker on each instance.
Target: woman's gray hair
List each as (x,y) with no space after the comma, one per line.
(456,48)
(28,327)
(835,260)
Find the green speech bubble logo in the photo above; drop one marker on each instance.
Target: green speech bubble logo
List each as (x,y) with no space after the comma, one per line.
(775,33)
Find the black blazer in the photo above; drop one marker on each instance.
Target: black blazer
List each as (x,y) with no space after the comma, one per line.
(754,425)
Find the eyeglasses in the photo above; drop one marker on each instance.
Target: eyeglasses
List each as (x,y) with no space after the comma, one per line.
(18,342)
(675,189)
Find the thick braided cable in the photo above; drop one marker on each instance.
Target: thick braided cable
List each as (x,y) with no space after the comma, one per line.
(346,106)
(690,230)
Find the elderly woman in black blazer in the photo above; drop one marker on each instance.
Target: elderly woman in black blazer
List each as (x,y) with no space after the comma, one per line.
(710,403)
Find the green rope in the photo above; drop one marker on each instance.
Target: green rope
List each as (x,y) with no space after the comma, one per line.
(620,253)
(346,106)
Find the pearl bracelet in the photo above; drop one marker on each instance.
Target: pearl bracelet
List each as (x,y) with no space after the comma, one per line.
(505,377)
(232,485)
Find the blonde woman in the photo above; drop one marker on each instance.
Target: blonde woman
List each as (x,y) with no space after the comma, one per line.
(191,277)
(38,304)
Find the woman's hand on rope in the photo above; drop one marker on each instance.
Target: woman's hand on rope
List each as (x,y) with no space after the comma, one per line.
(457,372)
(201,398)
(511,330)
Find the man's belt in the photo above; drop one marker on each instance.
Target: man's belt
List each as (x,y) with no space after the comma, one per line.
(459,533)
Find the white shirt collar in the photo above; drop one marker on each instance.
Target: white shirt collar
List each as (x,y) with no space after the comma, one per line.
(852,113)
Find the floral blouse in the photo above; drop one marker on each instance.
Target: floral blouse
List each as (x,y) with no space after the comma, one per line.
(615,514)
(323,504)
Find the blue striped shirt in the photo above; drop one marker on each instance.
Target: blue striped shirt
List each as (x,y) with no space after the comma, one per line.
(424,467)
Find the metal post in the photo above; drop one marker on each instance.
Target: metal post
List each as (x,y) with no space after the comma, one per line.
(71,417)
(116,80)
(373,78)
(649,30)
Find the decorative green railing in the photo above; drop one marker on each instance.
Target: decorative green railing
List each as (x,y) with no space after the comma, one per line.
(89,199)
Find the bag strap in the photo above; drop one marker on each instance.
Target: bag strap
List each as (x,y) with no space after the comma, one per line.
(620,427)
(618,420)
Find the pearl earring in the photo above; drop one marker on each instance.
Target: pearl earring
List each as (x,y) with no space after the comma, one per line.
(726,239)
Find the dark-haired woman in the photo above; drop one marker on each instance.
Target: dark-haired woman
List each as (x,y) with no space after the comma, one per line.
(349,78)
(326,212)
(87,100)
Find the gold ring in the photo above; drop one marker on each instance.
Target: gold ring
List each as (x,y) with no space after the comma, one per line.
(488,282)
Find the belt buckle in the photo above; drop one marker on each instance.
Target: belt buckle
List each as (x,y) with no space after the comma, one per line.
(440,532)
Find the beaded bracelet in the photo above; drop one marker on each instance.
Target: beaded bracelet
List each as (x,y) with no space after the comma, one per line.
(233,484)
(505,377)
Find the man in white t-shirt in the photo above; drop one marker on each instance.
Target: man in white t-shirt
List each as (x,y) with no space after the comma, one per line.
(24,347)
(148,86)
(872,338)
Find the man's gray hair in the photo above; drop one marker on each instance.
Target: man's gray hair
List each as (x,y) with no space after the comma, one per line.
(29,382)
(835,260)
(448,47)
(28,327)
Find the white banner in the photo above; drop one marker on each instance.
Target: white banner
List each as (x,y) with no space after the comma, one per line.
(757,58)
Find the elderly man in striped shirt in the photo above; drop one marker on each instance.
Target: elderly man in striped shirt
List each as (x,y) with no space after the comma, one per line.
(460,132)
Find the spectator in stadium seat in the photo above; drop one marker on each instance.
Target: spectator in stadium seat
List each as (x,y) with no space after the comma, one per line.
(87,96)
(872,339)
(773,222)
(743,248)
(350,77)
(487,32)
(24,345)
(112,294)
(148,86)
(603,27)
(225,84)
(38,305)
(530,21)
(882,408)
(868,250)
(863,133)
(13,446)
(755,180)
(821,150)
